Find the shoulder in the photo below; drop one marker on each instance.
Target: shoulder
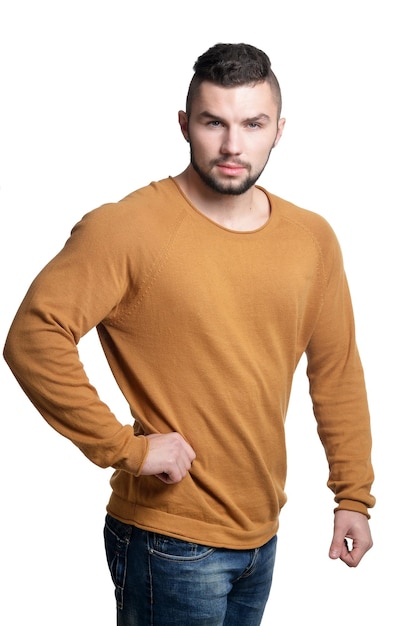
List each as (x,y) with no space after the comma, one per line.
(156,196)
(302,221)
(154,207)
(300,217)
(306,230)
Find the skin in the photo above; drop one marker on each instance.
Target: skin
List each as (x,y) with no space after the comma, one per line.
(231,132)
(354,527)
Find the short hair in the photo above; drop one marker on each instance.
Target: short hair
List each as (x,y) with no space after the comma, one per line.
(231,65)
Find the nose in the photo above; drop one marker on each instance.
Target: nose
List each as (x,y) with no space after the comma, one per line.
(232,143)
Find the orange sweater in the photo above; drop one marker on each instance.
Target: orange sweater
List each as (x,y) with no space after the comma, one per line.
(203,328)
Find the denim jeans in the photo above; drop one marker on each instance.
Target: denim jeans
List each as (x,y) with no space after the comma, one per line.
(162,581)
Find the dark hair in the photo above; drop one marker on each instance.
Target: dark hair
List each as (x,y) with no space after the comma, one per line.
(231,65)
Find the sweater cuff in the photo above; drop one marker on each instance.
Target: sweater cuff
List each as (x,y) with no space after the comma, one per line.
(135,458)
(352,505)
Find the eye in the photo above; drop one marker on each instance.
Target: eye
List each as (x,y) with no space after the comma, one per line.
(253,125)
(215,123)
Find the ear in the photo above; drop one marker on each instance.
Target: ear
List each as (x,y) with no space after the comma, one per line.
(183,122)
(281,124)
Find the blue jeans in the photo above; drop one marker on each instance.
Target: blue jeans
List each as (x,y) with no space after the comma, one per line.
(162,581)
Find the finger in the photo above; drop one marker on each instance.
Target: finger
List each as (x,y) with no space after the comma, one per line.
(189,452)
(181,448)
(165,478)
(338,547)
(351,553)
(352,558)
(176,472)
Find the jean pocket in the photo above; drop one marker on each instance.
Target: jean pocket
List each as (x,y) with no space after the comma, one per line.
(116,539)
(177,549)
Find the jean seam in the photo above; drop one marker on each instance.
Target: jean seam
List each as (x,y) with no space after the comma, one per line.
(119,563)
(150,578)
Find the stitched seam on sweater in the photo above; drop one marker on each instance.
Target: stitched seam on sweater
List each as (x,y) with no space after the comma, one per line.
(153,273)
(320,267)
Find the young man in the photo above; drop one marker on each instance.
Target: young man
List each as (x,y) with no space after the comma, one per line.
(205,290)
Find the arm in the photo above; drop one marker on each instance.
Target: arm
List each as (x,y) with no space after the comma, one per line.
(338,391)
(82,286)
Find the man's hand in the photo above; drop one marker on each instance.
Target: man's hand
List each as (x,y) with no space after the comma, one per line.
(353,526)
(169,457)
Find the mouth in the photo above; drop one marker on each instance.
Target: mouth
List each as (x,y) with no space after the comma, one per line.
(231,169)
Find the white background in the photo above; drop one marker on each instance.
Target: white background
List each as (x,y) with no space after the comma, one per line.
(89,97)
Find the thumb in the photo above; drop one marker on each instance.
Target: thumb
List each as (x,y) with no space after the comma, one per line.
(338,546)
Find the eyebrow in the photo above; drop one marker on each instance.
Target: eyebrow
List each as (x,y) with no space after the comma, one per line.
(250,120)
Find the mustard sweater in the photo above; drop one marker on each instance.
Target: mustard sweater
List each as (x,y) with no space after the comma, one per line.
(203,328)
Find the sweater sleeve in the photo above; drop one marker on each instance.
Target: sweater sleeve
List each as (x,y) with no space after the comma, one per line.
(338,391)
(81,286)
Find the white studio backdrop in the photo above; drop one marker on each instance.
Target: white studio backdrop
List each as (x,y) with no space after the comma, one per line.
(88,112)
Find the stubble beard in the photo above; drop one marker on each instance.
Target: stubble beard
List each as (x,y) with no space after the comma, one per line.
(224,187)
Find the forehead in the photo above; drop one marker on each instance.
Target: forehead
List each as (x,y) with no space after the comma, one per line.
(245,100)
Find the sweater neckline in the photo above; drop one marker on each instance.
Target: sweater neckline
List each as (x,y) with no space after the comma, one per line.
(204,217)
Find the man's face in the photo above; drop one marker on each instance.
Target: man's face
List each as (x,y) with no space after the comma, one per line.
(231,133)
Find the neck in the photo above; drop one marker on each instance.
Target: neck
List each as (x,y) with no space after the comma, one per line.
(244,212)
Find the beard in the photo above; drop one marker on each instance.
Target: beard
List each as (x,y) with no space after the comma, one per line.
(225,187)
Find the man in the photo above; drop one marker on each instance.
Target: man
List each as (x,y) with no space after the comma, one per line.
(205,290)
